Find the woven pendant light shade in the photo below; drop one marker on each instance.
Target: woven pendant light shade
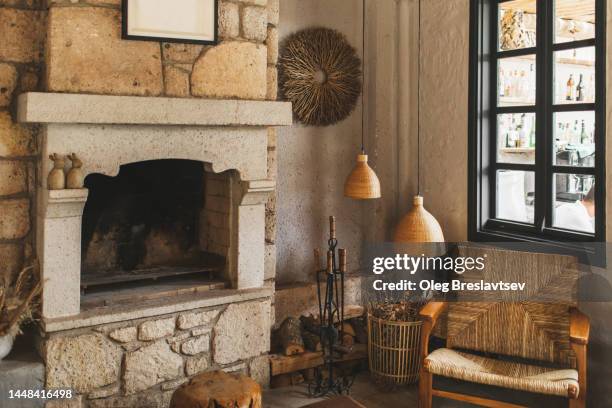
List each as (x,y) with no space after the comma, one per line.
(362,183)
(418,225)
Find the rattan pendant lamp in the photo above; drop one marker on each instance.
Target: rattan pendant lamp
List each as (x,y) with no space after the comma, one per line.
(362,183)
(418,226)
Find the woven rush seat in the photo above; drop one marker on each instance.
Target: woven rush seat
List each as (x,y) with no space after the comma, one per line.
(488,371)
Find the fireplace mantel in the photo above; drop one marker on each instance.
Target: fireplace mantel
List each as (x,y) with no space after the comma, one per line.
(107,132)
(38,107)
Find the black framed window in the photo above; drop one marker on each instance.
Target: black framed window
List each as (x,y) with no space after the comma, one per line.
(537,121)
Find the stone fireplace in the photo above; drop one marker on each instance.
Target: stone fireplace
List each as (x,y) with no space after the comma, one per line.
(158,143)
(175,190)
(142,288)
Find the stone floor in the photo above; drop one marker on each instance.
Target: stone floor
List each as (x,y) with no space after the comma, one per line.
(363,391)
(21,370)
(371,396)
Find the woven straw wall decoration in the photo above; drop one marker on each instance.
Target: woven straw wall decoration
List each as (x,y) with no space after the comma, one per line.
(320,73)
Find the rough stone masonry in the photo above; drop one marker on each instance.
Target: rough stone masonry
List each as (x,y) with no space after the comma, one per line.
(75,46)
(109,365)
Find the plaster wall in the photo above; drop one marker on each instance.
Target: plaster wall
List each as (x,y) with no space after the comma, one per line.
(444,184)
(313,162)
(444,113)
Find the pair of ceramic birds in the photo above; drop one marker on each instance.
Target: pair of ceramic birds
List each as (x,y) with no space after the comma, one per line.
(59,180)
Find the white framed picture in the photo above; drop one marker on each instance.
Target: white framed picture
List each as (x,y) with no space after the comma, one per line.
(185,21)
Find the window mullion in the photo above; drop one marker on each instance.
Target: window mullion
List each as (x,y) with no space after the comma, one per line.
(600,118)
(493,91)
(543,70)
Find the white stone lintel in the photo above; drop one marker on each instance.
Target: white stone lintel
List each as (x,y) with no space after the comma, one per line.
(39,107)
(63,203)
(257,192)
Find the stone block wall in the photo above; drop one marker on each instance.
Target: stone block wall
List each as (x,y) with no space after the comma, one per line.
(22,28)
(85,54)
(140,363)
(216,215)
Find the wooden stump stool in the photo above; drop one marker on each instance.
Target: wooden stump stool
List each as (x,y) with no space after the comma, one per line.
(218,389)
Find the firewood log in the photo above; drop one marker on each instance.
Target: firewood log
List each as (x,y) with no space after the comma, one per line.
(290,337)
(361,330)
(347,328)
(310,324)
(286,380)
(348,340)
(312,341)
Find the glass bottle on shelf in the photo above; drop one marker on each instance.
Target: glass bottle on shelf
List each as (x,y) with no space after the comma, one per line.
(569,94)
(522,135)
(511,136)
(584,138)
(522,87)
(575,133)
(508,142)
(565,132)
(568,133)
(514,84)
(532,135)
(507,76)
(580,89)
(531,80)
(590,92)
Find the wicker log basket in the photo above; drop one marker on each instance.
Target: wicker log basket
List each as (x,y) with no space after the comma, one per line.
(394,338)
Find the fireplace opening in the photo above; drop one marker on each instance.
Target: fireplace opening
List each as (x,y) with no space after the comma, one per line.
(147,226)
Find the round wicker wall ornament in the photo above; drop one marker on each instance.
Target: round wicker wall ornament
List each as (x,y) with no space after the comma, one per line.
(320,73)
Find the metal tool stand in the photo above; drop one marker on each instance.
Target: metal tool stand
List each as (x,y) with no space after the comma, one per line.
(331,311)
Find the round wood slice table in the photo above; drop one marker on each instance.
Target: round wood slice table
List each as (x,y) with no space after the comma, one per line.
(218,389)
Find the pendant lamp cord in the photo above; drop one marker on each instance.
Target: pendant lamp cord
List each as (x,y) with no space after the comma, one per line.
(363,50)
(419,106)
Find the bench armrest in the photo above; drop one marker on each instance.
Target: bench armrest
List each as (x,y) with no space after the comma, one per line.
(432,311)
(579,327)
(429,313)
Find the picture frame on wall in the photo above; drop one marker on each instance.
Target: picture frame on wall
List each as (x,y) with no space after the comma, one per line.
(180,21)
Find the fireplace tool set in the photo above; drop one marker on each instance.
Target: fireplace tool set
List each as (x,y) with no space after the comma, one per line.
(330,294)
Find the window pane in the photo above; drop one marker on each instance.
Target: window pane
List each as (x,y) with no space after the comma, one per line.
(517,24)
(574,139)
(575,20)
(516,138)
(515,195)
(574,202)
(575,75)
(516,81)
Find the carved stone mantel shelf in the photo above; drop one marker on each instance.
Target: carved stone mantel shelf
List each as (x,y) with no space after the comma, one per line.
(109,131)
(39,107)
